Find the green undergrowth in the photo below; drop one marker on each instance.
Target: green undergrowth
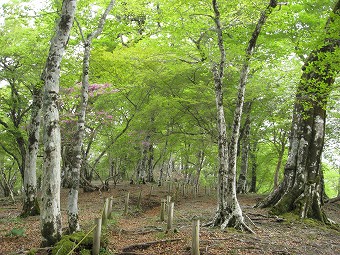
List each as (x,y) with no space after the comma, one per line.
(68,242)
(16,232)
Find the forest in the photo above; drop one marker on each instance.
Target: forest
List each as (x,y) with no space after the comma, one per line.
(231,104)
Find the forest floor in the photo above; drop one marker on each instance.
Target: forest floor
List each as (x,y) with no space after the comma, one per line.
(141,231)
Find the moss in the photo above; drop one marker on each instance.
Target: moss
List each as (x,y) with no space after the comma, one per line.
(32,251)
(67,242)
(50,234)
(290,217)
(85,252)
(63,247)
(31,208)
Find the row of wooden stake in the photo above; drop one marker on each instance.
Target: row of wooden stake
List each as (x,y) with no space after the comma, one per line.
(167,208)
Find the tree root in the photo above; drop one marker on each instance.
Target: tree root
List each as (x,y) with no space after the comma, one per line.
(230,220)
(333,200)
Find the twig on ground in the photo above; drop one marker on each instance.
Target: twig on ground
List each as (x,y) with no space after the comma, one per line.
(148,244)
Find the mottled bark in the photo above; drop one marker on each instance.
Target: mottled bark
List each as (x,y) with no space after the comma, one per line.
(339,182)
(73,218)
(301,188)
(50,213)
(30,203)
(242,179)
(66,170)
(229,213)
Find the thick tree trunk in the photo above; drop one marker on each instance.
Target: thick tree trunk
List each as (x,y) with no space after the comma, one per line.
(301,189)
(73,219)
(229,213)
(339,181)
(50,213)
(30,203)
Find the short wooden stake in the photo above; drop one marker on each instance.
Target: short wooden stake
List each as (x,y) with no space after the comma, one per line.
(194,191)
(126,209)
(96,236)
(105,211)
(169,188)
(139,202)
(168,200)
(170,215)
(195,247)
(151,190)
(109,216)
(163,206)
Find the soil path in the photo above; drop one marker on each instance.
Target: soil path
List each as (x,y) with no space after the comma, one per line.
(141,232)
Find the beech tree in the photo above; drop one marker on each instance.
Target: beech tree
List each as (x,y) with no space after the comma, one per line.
(229,213)
(50,213)
(30,204)
(77,146)
(301,190)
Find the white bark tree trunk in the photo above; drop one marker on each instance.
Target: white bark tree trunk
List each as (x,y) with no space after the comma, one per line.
(30,204)
(50,214)
(229,213)
(73,220)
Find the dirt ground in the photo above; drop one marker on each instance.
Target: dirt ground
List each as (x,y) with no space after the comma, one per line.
(142,232)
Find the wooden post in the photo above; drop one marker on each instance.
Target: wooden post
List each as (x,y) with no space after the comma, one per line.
(169,188)
(126,209)
(105,211)
(195,247)
(170,215)
(139,199)
(168,200)
(96,236)
(163,206)
(109,216)
(151,190)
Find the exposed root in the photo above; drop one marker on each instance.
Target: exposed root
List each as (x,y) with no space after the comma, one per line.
(229,220)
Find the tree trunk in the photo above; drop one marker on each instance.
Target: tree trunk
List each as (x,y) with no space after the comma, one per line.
(199,166)
(30,203)
(339,181)
(229,213)
(253,160)
(150,176)
(242,179)
(50,214)
(73,219)
(301,189)
(66,170)
(278,167)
